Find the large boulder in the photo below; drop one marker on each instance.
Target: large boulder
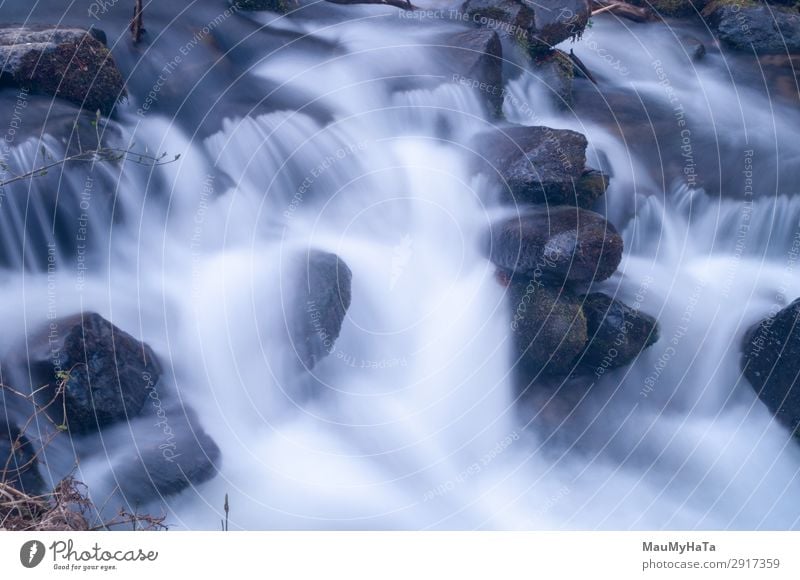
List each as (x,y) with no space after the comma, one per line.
(557,244)
(322,283)
(771,362)
(617,333)
(474,58)
(753,26)
(70,63)
(540,165)
(549,329)
(536,25)
(18,463)
(98,374)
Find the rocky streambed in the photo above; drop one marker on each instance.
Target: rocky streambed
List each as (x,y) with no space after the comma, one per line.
(269,259)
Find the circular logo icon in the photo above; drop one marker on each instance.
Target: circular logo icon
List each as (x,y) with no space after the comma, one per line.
(31,553)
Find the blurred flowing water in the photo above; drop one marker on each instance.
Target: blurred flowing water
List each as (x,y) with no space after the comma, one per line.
(333,131)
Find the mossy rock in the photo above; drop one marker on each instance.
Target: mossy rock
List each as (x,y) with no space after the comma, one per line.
(672,7)
(753,27)
(591,186)
(549,329)
(68,63)
(279,6)
(556,71)
(618,334)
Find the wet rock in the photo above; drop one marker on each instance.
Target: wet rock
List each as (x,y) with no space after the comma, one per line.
(538,26)
(748,25)
(105,372)
(557,244)
(560,20)
(617,333)
(509,17)
(170,454)
(19,466)
(323,296)
(280,6)
(694,48)
(70,63)
(771,363)
(591,186)
(539,165)
(779,71)
(549,329)
(474,58)
(556,71)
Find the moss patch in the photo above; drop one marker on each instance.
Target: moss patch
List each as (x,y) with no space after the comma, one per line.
(84,73)
(280,6)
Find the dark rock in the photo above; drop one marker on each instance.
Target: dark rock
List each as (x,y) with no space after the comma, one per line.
(169,456)
(559,20)
(323,296)
(475,58)
(18,462)
(556,71)
(549,329)
(557,244)
(105,372)
(280,6)
(509,17)
(617,333)
(536,25)
(591,186)
(694,48)
(747,25)
(771,362)
(539,165)
(69,63)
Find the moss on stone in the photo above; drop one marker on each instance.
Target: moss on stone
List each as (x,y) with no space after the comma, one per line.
(280,6)
(82,72)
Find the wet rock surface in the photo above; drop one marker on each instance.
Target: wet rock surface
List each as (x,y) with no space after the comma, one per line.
(474,58)
(771,363)
(557,244)
(70,63)
(170,453)
(617,333)
(322,283)
(98,373)
(537,26)
(539,165)
(755,26)
(549,329)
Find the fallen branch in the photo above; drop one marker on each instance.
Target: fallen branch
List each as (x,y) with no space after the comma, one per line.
(402,4)
(99,153)
(623,9)
(137,23)
(68,506)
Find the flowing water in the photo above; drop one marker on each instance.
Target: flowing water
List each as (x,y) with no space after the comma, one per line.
(333,131)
